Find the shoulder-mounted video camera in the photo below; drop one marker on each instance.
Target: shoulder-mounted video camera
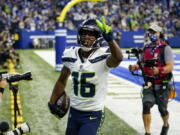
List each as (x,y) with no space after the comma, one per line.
(15,77)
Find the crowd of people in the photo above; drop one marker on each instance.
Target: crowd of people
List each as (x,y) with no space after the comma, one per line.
(127,15)
(7,51)
(131,15)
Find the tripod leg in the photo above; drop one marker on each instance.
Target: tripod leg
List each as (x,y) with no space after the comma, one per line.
(14,89)
(15,110)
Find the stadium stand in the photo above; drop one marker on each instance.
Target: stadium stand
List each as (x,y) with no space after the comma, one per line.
(127,15)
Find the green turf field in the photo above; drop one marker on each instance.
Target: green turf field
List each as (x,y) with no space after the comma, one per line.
(36,93)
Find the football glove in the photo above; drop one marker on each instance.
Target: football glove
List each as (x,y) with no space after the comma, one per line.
(106,29)
(54,110)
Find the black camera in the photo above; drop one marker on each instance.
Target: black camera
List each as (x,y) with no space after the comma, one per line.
(151,63)
(15,77)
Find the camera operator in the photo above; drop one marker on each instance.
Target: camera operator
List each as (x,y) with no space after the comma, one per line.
(156,90)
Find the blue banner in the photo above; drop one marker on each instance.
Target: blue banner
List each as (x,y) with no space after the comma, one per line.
(129,39)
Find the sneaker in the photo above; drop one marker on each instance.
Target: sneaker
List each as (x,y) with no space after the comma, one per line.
(147,134)
(164,130)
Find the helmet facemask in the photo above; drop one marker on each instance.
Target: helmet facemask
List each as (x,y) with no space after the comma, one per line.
(89,40)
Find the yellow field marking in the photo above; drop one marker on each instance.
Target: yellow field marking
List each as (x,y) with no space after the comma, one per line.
(18,101)
(20,118)
(12,106)
(21,112)
(12,97)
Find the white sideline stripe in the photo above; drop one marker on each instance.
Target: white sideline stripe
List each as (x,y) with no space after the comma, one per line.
(48,56)
(176,72)
(177,67)
(177,61)
(124,101)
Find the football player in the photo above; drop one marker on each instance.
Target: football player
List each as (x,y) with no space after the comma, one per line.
(88,65)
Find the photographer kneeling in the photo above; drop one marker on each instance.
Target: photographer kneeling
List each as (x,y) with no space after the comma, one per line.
(156,65)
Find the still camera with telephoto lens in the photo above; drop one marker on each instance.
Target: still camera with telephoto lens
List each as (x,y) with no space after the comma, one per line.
(15,77)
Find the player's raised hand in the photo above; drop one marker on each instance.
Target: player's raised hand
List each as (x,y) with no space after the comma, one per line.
(103,26)
(106,29)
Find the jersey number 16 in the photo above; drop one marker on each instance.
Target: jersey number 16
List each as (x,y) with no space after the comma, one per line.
(81,85)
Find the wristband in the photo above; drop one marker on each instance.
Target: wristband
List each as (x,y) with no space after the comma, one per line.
(2,90)
(108,37)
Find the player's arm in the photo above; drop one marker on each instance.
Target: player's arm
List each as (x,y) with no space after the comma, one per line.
(116,55)
(60,85)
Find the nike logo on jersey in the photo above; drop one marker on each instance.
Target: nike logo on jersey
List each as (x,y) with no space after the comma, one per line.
(92,118)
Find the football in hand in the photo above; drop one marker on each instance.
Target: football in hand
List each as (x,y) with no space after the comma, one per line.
(63,104)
